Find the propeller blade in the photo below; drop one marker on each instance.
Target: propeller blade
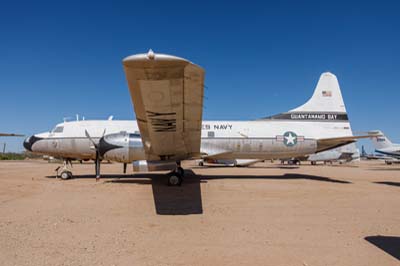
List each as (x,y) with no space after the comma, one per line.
(97,160)
(90,138)
(97,165)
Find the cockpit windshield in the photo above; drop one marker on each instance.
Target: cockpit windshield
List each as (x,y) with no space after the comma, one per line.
(58,129)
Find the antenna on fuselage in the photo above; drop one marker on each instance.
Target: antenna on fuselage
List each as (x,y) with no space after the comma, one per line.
(111,117)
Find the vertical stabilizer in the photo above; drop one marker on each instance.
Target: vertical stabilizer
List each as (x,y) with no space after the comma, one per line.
(327,97)
(381,141)
(325,105)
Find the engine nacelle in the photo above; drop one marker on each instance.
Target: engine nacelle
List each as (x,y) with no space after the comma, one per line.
(148,166)
(121,147)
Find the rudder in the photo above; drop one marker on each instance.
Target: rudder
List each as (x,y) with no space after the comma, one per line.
(327,96)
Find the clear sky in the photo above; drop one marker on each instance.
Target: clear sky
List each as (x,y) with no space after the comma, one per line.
(59,59)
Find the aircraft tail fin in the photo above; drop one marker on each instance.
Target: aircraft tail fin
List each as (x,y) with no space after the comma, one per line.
(326,104)
(380,141)
(327,97)
(363,152)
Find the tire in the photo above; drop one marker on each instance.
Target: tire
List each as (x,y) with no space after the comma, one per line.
(65,175)
(175,179)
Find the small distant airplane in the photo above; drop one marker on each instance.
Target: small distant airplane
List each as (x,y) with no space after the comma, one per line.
(372,156)
(167,96)
(383,145)
(346,153)
(10,135)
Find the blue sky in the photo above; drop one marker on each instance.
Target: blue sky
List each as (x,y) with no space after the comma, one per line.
(58,59)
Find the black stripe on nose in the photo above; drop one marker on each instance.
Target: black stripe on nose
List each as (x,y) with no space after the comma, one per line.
(30,141)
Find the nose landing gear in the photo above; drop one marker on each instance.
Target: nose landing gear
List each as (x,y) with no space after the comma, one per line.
(65,172)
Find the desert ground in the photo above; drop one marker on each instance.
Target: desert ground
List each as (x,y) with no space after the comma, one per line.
(267,214)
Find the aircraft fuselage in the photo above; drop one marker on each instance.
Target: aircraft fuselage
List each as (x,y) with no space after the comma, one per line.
(259,139)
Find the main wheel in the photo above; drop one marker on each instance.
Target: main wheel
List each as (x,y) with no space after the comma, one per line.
(66,175)
(175,179)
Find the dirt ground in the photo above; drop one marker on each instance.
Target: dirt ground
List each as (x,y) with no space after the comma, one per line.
(267,214)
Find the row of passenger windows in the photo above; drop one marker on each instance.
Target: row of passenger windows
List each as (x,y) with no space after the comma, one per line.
(210,134)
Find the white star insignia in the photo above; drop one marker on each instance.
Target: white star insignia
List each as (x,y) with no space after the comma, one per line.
(290,139)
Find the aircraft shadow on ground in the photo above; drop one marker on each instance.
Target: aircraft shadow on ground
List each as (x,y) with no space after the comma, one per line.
(384,169)
(186,199)
(183,200)
(244,167)
(279,177)
(389,183)
(389,244)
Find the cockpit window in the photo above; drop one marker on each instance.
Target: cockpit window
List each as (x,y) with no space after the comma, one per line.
(58,130)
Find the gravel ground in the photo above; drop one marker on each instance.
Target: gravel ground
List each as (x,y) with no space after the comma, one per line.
(267,214)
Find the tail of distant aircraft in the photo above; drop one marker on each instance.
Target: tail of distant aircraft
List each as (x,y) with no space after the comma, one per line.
(363,152)
(381,141)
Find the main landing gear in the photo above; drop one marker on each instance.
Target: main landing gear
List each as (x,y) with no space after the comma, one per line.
(175,178)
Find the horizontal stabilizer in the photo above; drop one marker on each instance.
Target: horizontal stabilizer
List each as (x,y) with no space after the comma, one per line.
(331,143)
(379,140)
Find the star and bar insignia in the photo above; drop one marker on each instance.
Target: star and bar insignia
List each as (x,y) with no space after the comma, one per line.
(289,138)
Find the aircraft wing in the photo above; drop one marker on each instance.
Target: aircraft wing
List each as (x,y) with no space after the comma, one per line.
(167,96)
(10,135)
(331,143)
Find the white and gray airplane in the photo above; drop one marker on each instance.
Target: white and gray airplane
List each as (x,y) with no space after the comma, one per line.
(167,96)
(345,153)
(384,146)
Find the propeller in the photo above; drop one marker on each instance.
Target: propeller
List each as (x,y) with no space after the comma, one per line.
(98,157)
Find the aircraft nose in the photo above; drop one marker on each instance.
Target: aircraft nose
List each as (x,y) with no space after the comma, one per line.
(28,142)
(27,145)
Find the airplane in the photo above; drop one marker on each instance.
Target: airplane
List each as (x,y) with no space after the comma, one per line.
(366,156)
(385,147)
(167,96)
(346,153)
